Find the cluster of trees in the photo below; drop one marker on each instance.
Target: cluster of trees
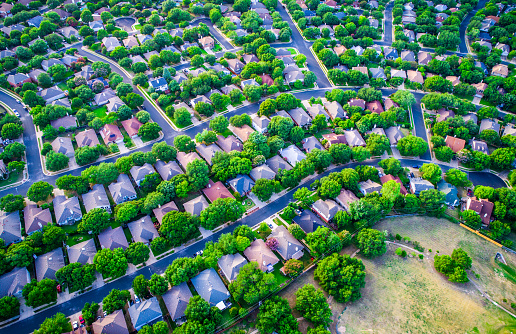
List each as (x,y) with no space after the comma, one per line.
(454,266)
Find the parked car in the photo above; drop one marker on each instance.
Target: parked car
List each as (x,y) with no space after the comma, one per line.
(59,290)
(137,299)
(75,325)
(105,313)
(16,113)
(81,319)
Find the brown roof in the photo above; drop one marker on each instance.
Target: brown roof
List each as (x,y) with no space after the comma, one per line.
(164,209)
(389,177)
(132,125)
(260,253)
(113,323)
(266,80)
(494,18)
(481,206)
(111,133)
(339,50)
(456,144)
(216,190)
(243,132)
(185,158)
(334,138)
(375,106)
(389,103)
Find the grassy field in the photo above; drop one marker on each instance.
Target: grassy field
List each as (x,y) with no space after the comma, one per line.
(411,297)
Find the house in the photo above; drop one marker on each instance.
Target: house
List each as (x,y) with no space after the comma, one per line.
(390,53)
(131,126)
(7,30)
(67,210)
(96,25)
(87,138)
(143,230)
(326,209)
(159,84)
(198,99)
(176,32)
(34,74)
(441,8)
(418,185)
(10,227)
(276,163)
(113,238)
(489,124)
(368,187)
(63,145)
(483,207)
(345,198)
(308,221)
(235,65)
(230,265)
(113,323)
(500,70)
(509,130)
(140,172)
(334,138)
(389,103)
(216,190)
(315,110)
(450,191)
(148,55)
(218,68)
(311,143)
(35,21)
(122,190)
(211,288)
(12,283)
(480,87)
(415,76)
(260,123)
(82,252)
(229,144)
(242,184)
(504,47)
(130,41)
(479,146)
(266,80)
(51,94)
(353,138)
(207,42)
(259,252)
(375,107)
(243,132)
(5,9)
(288,246)
(48,263)
(138,59)
(176,300)
(208,152)
(18,79)
(378,73)
(486,44)
(185,158)
(96,198)
(110,43)
(114,104)
(378,131)
(65,102)
(110,133)
(398,74)
(262,172)
(167,170)
(143,38)
(389,177)
(423,58)
(456,144)
(335,110)
(86,72)
(453,79)
(103,98)
(162,210)
(35,218)
(292,154)
(67,122)
(300,117)
(444,115)
(293,76)
(196,205)
(361,69)
(357,103)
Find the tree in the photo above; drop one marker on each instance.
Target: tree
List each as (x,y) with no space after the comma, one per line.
(158,285)
(267,107)
(312,305)
(140,79)
(360,153)
(502,158)
(412,146)
(484,192)
(134,100)
(184,143)
(433,201)
(9,307)
(219,124)
(56,161)
(40,293)
(76,276)
(391,190)
(264,188)
(461,258)
(89,312)
(12,130)
(471,218)
(14,151)
(431,172)
(222,210)
(86,16)
(377,144)
(293,267)
(322,241)
(115,300)
(127,211)
(178,227)
(197,172)
(39,191)
(343,287)
(11,203)
(304,195)
(141,286)
(86,154)
(341,153)
(275,315)
(457,177)
(111,263)
(371,242)
(202,318)
(95,221)
(272,243)
(58,323)
(181,270)
(149,131)
(252,284)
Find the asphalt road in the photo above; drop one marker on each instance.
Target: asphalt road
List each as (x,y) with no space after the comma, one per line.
(387,33)
(464,25)
(125,23)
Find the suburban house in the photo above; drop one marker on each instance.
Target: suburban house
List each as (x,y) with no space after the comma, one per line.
(131,126)
(418,185)
(207,42)
(176,300)
(113,238)
(235,65)
(196,205)
(103,98)
(368,187)
(216,190)
(229,144)
(87,138)
(450,191)
(479,146)
(113,323)
(262,172)
(308,221)
(333,138)
(389,177)
(46,64)
(345,198)
(145,312)
(456,144)
(483,207)
(243,132)
(82,252)
(211,288)
(49,263)
(276,163)
(168,170)
(489,124)
(208,152)
(162,210)
(353,138)
(288,246)
(311,143)
(114,104)
(18,79)
(96,25)
(185,158)
(242,184)
(159,84)
(259,252)
(500,70)
(326,209)
(35,218)
(67,122)
(394,134)
(260,123)
(143,230)
(292,154)
(375,107)
(140,172)
(12,283)
(230,265)
(111,134)
(63,145)
(130,41)
(335,110)
(67,210)
(10,227)
(122,190)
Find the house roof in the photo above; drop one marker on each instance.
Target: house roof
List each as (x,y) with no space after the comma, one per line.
(450,191)
(419,184)
(292,154)
(82,252)
(243,132)
(10,227)
(130,41)
(110,133)
(143,230)
(140,172)
(357,103)
(389,103)
(131,126)
(208,152)
(242,184)
(231,264)
(158,82)
(369,186)
(167,170)
(13,282)
(308,221)
(424,57)
(294,76)
(87,138)
(328,208)
(114,104)
(196,205)
(176,299)
(378,73)
(334,138)
(288,246)
(354,138)
(488,124)
(481,206)
(48,264)
(389,177)
(311,143)
(210,287)
(104,96)
(501,70)
(67,122)
(443,115)
(394,134)
(260,253)
(415,76)
(479,146)
(231,143)
(375,106)
(262,172)
(185,158)
(122,188)
(260,122)
(216,190)
(346,197)
(299,116)
(334,109)
(456,144)
(17,78)
(162,210)
(35,218)
(398,74)
(113,238)
(65,208)
(113,323)
(276,163)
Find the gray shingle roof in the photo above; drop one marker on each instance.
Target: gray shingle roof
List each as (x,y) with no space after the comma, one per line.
(260,253)
(210,287)
(196,205)
(327,208)
(308,221)
(12,283)
(113,238)
(311,143)
(113,323)
(168,170)
(276,163)
(143,230)
(10,227)
(262,172)
(67,211)
(47,264)
(161,211)
(292,154)
(176,300)
(96,198)
(231,143)
(82,252)
(242,184)
(140,172)
(208,151)
(231,264)
(299,116)
(35,218)
(63,145)
(122,190)
(289,247)
(144,312)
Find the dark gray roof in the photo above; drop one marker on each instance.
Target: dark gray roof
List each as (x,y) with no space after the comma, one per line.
(327,208)
(231,264)
(67,122)
(63,145)
(231,143)
(276,163)
(208,152)
(47,264)
(96,198)
(10,227)
(35,218)
(419,185)
(262,172)
(289,246)
(66,210)
(144,312)
(450,191)
(368,186)
(143,230)
(113,238)
(311,143)
(242,184)
(176,300)
(122,190)
(299,116)
(168,170)
(292,154)
(139,172)
(210,287)
(308,221)
(103,97)
(82,252)
(196,205)
(13,282)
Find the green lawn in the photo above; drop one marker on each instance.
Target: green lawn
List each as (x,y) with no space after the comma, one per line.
(13,177)
(137,27)
(63,86)
(101,112)
(128,235)
(292,51)
(486,103)
(217,48)
(278,275)
(78,238)
(226,133)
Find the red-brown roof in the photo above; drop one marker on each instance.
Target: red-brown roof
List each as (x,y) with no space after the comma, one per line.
(111,133)
(389,177)
(375,106)
(456,144)
(216,190)
(481,206)
(267,80)
(131,125)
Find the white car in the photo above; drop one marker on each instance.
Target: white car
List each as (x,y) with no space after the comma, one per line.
(137,299)
(16,113)
(75,325)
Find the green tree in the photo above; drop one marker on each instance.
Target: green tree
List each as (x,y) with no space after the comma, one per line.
(197,172)
(111,263)
(264,188)
(275,315)
(76,276)
(141,286)
(219,124)
(433,201)
(39,191)
(293,267)
(431,172)
(89,312)
(471,218)
(9,307)
(252,284)
(371,242)
(312,305)
(412,146)
(11,203)
(178,227)
(58,323)
(40,293)
(11,130)
(304,195)
(457,177)
(56,161)
(184,143)
(158,285)
(322,241)
(115,300)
